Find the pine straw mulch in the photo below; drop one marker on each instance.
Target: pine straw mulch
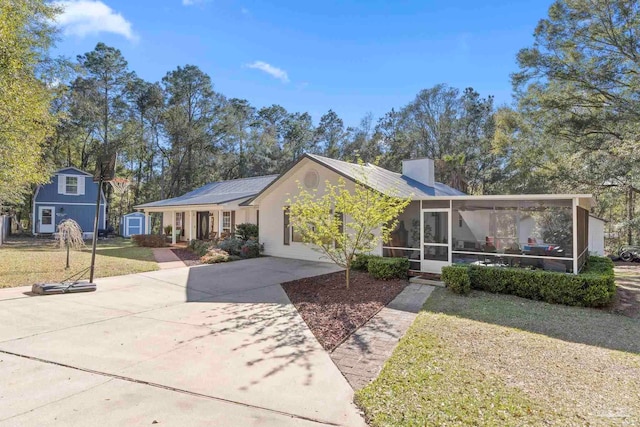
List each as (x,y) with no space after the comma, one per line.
(331,311)
(186,256)
(627,300)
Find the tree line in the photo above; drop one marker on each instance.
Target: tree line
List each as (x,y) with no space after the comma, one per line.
(571,128)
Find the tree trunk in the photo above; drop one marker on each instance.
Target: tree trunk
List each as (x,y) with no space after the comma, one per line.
(630,216)
(347,274)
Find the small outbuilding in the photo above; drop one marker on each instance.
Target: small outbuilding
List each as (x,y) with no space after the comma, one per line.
(596,235)
(133,223)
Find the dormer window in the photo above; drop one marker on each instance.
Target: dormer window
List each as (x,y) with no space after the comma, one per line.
(71,185)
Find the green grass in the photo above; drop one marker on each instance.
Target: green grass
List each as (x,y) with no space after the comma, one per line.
(490,359)
(29,261)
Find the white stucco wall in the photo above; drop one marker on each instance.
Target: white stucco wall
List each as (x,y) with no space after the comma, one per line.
(596,236)
(271,206)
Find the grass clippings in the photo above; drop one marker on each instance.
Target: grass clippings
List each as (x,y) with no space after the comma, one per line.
(492,359)
(333,312)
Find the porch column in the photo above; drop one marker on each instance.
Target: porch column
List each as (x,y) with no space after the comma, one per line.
(190,225)
(147,223)
(219,223)
(173,227)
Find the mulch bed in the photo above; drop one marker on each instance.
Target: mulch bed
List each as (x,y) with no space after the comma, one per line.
(331,311)
(186,256)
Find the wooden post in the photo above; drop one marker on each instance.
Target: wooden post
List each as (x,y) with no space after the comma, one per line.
(95,231)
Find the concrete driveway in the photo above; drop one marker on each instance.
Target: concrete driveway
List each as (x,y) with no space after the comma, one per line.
(208,345)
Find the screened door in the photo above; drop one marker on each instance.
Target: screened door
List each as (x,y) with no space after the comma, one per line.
(435,240)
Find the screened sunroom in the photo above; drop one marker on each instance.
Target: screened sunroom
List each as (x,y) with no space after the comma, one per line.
(546,232)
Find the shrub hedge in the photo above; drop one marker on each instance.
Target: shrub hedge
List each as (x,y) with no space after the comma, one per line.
(199,247)
(149,240)
(361,261)
(593,287)
(457,279)
(388,268)
(247,231)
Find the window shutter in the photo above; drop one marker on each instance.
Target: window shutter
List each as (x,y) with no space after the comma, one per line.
(81,181)
(287,234)
(62,182)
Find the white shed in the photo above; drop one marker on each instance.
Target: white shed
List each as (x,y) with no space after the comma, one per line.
(131,224)
(596,235)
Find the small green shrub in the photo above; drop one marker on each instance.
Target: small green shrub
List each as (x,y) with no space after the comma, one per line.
(250,249)
(457,279)
(149,240)
(247,231)
(361,261)
(214,256)
(231,245)
(199,247)
(167,230)
(594,287)
(388,268)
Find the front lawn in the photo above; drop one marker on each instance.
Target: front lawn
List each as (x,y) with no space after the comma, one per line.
(29,261)
(490,359)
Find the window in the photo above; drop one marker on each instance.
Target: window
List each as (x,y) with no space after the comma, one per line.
(47,217)
(296,236)
(226,221)
(287,228)
(71,185)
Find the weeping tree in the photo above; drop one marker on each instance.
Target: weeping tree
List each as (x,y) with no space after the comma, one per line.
(69,237)
(343,222)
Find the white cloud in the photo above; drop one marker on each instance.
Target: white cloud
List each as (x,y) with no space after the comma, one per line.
(87,17)
(192,2)
(274,72)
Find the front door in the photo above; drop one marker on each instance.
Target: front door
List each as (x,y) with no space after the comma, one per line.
(46,215)
(202,225)
(133,226)
(435,240)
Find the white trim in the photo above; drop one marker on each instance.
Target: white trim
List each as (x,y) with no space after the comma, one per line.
(53,218)
(501,255)
(74,168)
(403,249)
(510,197)
(71,203)
(173,228)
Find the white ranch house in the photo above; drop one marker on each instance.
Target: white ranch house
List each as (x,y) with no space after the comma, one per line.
(441,226)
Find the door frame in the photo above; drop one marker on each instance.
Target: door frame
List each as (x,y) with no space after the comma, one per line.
(53,219)
(431,266)
(202,234)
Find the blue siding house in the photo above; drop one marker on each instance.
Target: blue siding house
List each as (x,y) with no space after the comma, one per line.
(70,194)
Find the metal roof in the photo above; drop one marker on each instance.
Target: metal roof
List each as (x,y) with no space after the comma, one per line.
(217,193)
(386,181)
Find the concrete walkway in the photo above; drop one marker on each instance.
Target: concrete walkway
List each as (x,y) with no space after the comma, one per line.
(166,258)
(217,345)
(361,357)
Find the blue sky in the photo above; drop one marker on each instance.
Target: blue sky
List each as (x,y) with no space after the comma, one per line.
(351,56)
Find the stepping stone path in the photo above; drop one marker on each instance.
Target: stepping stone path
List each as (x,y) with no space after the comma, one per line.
(361,357)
